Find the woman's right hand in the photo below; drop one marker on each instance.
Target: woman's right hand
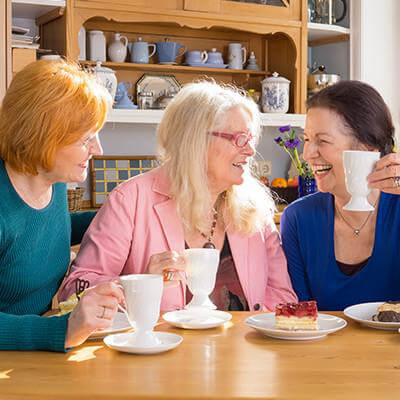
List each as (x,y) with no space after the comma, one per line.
(170,264)
(95,310)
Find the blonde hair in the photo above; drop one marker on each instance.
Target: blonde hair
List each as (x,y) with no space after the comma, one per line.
(49,104)
(183,143)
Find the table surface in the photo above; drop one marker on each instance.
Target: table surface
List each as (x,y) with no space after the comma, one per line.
(229,362)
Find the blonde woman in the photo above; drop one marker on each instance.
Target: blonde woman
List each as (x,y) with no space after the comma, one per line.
(49,121)
(202,195)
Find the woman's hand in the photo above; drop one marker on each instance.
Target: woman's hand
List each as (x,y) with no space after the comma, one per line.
(95,310)
(386,175)
(170,264)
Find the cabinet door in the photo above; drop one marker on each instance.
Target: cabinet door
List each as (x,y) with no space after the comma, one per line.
(5,46)
(271,9)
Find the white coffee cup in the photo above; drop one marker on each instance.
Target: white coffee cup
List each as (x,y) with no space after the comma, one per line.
(357,166)
(143,299)
(201,272)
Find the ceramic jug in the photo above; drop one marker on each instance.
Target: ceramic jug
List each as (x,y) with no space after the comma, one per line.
(167,51)
(237,56)
(106,77)
(117,49)
(139,51)
(97,46)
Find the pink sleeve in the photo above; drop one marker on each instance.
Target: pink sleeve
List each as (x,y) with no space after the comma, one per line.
(279,287)
(106,244)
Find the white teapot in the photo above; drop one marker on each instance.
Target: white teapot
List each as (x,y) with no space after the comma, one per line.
(107,78)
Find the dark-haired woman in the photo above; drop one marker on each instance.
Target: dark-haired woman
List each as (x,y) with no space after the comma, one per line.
(338,257)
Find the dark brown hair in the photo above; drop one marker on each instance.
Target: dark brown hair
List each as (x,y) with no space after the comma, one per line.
(363,111)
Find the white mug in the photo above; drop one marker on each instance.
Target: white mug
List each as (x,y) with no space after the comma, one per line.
(143,294)
(97,46)
(357,166)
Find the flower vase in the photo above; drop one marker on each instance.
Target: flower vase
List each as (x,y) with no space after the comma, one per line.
(307,186)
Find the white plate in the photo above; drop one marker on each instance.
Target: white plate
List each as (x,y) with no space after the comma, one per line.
(120,324)
(120,342)
(194,319)
(265,323)
(363,314)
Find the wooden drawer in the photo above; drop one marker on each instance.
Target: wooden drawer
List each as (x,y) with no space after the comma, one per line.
(21,58)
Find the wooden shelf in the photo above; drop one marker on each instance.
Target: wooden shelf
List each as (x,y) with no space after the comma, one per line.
(321,34)
(33,9)
(176,68)
(154,117)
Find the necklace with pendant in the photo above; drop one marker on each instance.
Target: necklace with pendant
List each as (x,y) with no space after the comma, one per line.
(356,231)
(209,244)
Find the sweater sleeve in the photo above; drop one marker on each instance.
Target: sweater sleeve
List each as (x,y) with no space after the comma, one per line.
(291,247)
(80,221)
(32,332)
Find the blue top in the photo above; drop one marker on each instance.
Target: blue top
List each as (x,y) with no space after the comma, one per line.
(34,256)
(308,240)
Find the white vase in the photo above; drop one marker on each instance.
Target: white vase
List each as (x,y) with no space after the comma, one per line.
(275,94)
(117,50)
(106,77)
(97,46)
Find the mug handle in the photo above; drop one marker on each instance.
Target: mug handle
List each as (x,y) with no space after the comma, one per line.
(204,56)
(184,51)
(244,55)
(154,49)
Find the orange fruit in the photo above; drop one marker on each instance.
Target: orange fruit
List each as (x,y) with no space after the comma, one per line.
(293,182)
(279,182)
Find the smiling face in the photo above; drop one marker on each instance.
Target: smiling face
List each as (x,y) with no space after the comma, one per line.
(325,139)
(226,161)
(72,160)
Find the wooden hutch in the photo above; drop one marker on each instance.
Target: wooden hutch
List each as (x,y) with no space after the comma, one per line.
(276,33)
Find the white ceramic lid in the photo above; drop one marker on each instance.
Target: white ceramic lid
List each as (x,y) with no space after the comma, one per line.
(100,68)
(275,78)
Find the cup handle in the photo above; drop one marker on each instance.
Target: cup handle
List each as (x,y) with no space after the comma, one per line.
(124,38)
(244,55)
(204,56)
(184,51)
(154,49)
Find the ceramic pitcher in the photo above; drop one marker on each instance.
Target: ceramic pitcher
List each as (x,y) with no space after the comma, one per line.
(117,49)
(139,51)
(237,56)
(167,51)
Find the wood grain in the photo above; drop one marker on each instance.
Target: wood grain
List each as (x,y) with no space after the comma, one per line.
(232,362)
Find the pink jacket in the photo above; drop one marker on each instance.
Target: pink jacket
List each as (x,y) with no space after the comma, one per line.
(139,219)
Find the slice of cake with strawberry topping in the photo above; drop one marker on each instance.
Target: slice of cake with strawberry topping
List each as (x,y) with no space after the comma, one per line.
(297,316)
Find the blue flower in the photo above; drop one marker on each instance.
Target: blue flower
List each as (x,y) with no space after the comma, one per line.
(285,128)
(278,140)
(292,143)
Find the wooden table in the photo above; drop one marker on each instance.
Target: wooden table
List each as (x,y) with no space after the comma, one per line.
(230,362)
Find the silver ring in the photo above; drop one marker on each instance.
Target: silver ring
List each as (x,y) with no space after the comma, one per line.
(396,181)
(104,312)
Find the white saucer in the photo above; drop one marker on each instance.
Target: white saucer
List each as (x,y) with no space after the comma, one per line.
(363,314)
(207,65)
(197,319)
(265,324)
(120,324)
(120,342)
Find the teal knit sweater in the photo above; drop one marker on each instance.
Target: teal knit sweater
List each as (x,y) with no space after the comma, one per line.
(34,256)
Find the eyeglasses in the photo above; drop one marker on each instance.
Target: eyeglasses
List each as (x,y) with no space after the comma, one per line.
(240,139)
